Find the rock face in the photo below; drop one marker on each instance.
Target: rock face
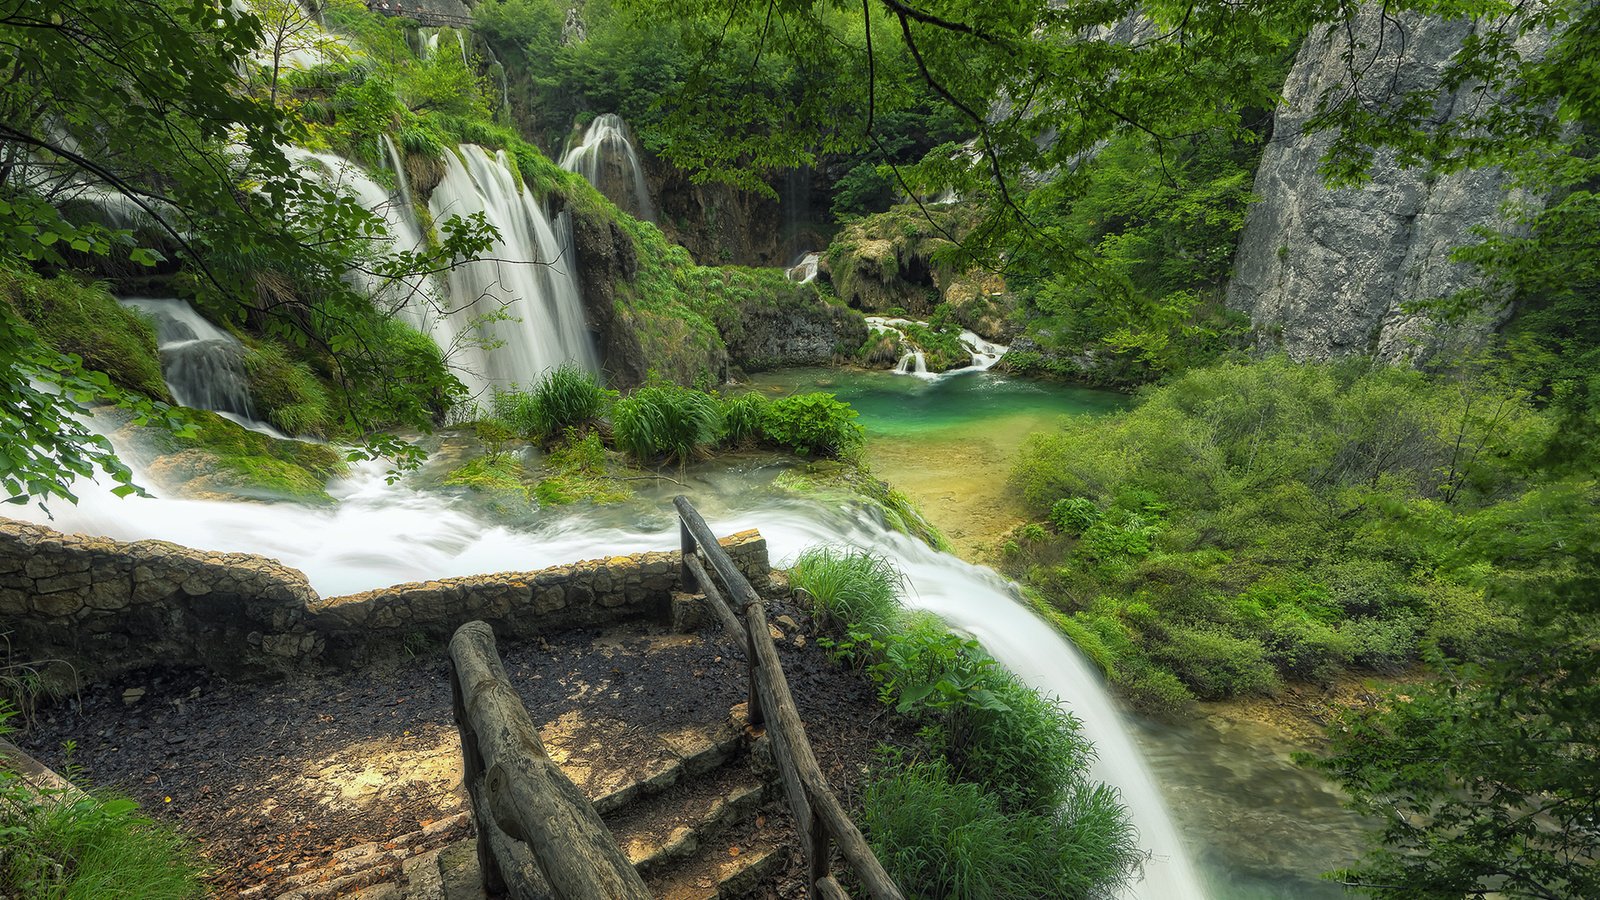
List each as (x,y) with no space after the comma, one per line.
(796,334)
(606,255)
(93,607)
(1325,273)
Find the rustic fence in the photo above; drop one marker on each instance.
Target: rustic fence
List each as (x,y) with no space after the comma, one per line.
(819,817)
(538,834)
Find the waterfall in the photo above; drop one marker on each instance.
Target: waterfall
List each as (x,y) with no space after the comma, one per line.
(804,269)
(985,353)
(913,363)
(202,364)
(522,297)
(607,159)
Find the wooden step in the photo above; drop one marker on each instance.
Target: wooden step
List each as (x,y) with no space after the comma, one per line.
(737,863)
(670,826)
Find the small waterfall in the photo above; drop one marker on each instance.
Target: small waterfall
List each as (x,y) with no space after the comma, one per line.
(607,159)
(984,353)
(522,297)
(804,269)
(202,364)
(913,363)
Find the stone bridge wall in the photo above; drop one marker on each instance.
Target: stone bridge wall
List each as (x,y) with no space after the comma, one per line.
(103,607)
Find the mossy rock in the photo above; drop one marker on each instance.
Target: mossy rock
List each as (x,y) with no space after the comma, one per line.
(220,459)
(845,481)
(86,320)
(895,259)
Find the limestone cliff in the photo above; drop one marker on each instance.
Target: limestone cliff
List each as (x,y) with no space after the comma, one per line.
(1327,273)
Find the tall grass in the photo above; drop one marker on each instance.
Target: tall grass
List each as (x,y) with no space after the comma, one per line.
(666,421)
(857,590)
(566,397)
(744,419)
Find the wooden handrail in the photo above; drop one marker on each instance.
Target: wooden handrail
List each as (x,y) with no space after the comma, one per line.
(522,802)
(819,816)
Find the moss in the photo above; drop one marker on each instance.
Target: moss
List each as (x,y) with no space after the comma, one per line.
(898,259)
(847,480)
(286,392)
(580,470)
(497,474)
(87,321)
(217,458)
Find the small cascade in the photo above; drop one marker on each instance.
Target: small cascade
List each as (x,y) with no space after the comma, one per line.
(202,364)
(804,269)
(913,363)
(607,159)
(522,298)
(984,353)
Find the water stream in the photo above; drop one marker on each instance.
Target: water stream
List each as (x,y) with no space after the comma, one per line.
(606,158)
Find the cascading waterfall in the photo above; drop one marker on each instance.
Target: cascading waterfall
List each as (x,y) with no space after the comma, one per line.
(985,353)
(804,269)
(607,159)
(202,364)
(522,297)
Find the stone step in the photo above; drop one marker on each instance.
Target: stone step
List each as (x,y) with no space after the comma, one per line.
(366,870)
(735,866)
(657,831)
(615,765)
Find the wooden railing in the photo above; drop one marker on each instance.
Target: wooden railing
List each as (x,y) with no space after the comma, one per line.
(538,834)
(819,817)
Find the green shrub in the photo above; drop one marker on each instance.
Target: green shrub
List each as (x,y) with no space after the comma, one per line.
(951,840)
(1152,691)
(566,397)
(286,392)
(855,590)
(744,419)
(1074,515)
(1304,648)
(1026,749)
(1382,645)
(815,423)
(1216,665)
(665,420)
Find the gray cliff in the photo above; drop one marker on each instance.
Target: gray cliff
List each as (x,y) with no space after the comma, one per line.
(1325,273)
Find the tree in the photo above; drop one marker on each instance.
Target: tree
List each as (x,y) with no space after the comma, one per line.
(1487,779)
(126,133)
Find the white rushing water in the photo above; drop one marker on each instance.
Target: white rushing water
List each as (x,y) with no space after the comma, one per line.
(985,353)
(382,534)
(606,158)
(523,294)
(804,269)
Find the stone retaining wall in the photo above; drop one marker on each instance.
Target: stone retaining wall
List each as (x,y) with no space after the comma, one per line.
(102,607)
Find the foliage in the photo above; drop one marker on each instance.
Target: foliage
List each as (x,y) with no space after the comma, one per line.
(286,391)
(666,420)
(1006,758)
(1253,523)
(576,470)
(1484,777)
(816,423)
(55,844)
(948,838)
(567,397)
(849,586)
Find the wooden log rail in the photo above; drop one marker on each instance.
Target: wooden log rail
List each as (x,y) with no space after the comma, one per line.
(538,834)
(819,817)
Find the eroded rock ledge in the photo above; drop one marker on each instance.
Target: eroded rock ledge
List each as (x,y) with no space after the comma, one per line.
(88,608)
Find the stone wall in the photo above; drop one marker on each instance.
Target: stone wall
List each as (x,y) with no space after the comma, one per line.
(95,607)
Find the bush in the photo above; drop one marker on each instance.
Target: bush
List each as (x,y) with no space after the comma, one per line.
(665,420)
(950,839)
(1074,515)
(856,590)
(814,423)
(566,397)
(744,419)
(1216,665)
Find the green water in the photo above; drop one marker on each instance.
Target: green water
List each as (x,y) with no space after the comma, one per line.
(901,406)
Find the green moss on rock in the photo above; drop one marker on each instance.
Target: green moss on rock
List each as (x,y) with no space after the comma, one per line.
(85,320)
